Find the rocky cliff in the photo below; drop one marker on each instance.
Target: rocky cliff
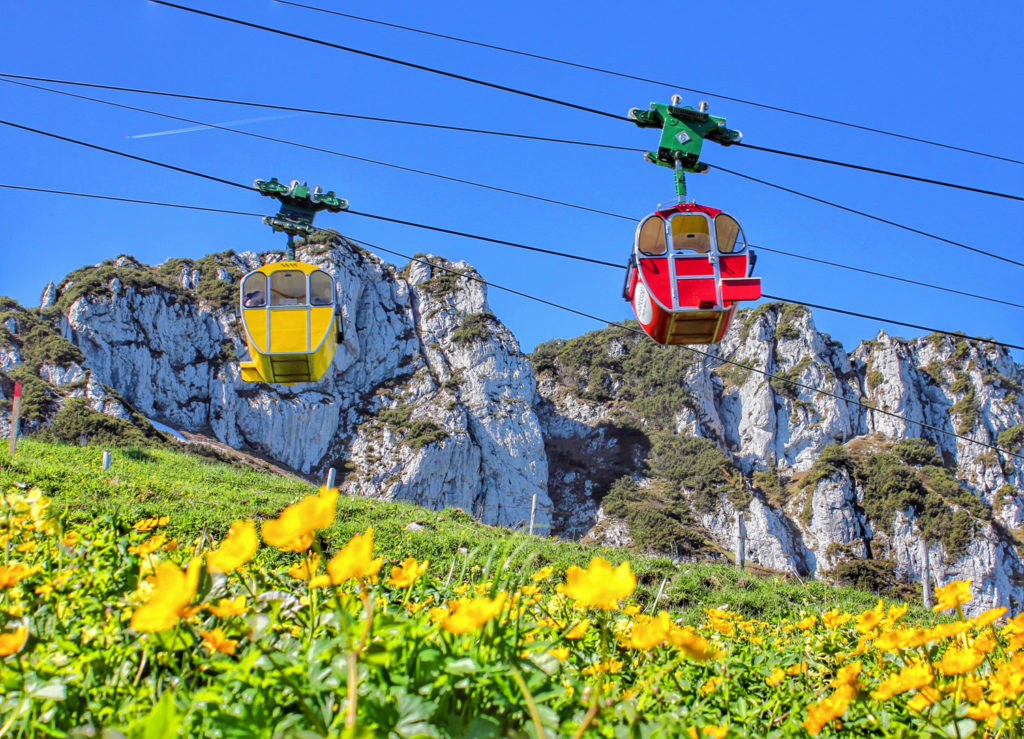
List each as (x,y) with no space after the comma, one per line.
(619,440)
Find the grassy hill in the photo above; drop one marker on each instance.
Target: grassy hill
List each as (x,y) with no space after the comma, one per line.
(203,496)
(138,601)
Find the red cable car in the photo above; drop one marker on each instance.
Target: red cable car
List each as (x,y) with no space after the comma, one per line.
(689,269)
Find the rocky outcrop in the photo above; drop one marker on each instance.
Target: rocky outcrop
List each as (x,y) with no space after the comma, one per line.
(429,398)
(886,390)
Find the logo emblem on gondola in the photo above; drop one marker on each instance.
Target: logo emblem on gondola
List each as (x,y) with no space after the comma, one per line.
(642,304)
(682,137)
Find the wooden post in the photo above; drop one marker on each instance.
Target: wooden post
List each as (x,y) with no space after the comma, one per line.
(331,474)
(106,460)
(533,511)
(15,418)
(926,574)
(741,541)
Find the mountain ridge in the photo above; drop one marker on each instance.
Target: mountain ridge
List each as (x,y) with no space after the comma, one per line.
(616,439)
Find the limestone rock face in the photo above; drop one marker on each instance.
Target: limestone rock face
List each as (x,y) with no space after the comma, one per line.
(429,398)
(601,424)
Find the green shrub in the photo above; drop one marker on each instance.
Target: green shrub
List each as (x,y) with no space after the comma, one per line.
(77,418)
(1011,439)
(474,327)
(917,452)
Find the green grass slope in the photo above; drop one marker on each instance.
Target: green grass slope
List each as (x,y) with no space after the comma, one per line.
(202,497)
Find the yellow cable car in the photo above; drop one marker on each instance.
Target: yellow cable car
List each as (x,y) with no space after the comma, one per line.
(292,323)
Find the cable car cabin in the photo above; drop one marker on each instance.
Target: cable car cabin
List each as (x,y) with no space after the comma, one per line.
(689,269)
(292,324)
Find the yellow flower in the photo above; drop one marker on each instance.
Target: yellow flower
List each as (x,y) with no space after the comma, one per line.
(354,561)
(15,573)
(149,546)
(305,568)
(847,675)
(716,732)
(215,641)
(688,641)
(12,641)
(924,698)
(560,653)
(26,546)
(148,524)
(610,666)
(776,677)
(228,607)
(957,661)
(952,595)
(988,617)
(631,610)
(912,677)
(578,629)
(834,619)
(168,602)
(710,686)
(796,669)
(807,623)
(467,614)
(827,709)
(293,530)
(600,584)
(238,547)
(408,573)
(648,632)
(542,574)
(868,620)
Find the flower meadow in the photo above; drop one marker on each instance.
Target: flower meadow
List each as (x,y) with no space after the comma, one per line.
(115,629)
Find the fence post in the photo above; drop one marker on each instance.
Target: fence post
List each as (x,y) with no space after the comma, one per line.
(926,574)
(15,418)
(331,474)
(741,541)
(106,460)
(533,511)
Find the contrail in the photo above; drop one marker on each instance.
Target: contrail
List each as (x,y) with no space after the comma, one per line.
(190,129)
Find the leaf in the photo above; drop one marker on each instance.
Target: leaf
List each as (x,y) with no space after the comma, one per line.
(961,729)
(175,640)
(464,666)
(49,691)
(414,714)
(160,723)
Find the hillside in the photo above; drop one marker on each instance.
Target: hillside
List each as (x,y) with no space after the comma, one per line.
(176,626)
(618,441)
(202,496)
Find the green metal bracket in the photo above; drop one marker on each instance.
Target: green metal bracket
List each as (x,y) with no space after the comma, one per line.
(298,208)
(683,130)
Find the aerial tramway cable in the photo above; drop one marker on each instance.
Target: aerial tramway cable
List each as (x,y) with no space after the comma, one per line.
(671,85)
(545,98)
(553,304)
(506,190)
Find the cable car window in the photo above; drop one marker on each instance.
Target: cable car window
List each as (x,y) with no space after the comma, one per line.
(321,289)
(651,237)
(728,234)
(690,233)
(254,293)
(288,288)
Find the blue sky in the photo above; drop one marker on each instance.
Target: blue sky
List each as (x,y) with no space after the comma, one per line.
(933,70)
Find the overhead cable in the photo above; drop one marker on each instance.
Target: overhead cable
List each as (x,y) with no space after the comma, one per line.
(392,60)
(437,229)
(322,150)
(570,205)
(874,170)
(868,215)
(873,273)
(315,111)
(892,321)
(637,78)
(707,355)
